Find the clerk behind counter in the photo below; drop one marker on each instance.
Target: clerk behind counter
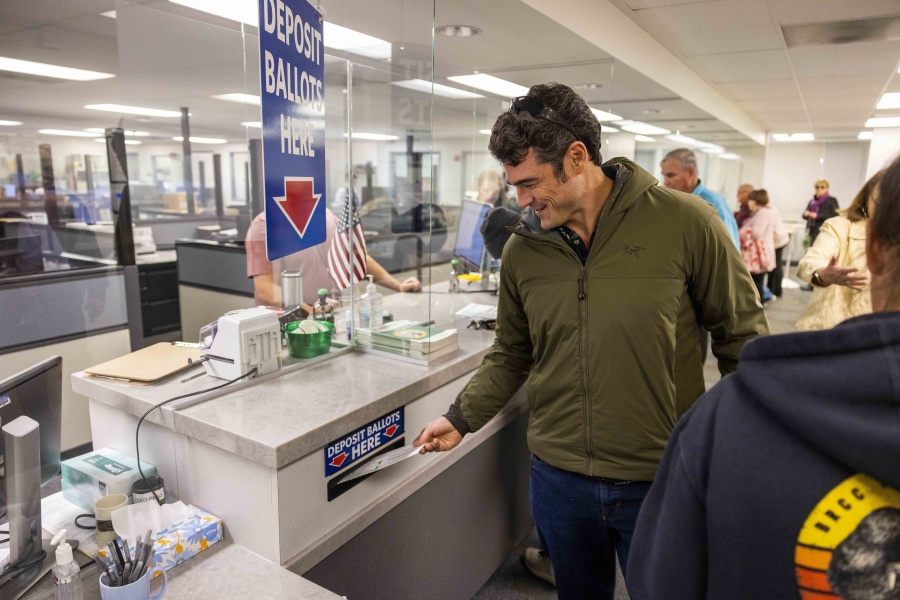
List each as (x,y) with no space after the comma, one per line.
(313,262)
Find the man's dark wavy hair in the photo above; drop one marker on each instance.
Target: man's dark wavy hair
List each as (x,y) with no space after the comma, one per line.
(513,134)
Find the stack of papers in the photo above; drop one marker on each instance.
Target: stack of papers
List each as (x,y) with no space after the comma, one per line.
(408,338)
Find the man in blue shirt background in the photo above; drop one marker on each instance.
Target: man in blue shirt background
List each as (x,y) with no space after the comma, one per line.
(679,170)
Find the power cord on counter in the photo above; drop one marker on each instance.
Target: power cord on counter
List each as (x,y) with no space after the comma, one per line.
(31,559)
(137,431)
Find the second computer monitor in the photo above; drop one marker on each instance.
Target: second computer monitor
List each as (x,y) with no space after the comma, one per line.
(469,247)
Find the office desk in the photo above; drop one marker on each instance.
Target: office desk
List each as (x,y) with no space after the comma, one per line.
(254,457)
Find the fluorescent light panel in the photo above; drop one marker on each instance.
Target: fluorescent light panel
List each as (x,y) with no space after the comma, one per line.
(609,129)
(10,123)
(644,138)
(240,98)
(793,137)
(883,122)
(341,38)
(420,85)
(889,100)
(683,139)
(491,84)
(127,142)
(485,131)
(865,135)
(133,110)
(602,115)
(66,132)
(109,14)
(729,156)
(378,137)
(127,132)
(202,140)
(335,36)
(28,67)
(641,128)
(256,124)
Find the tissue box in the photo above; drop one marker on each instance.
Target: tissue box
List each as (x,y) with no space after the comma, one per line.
(91,476)
(185,539)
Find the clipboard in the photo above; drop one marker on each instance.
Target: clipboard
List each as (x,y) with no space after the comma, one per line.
(147,365)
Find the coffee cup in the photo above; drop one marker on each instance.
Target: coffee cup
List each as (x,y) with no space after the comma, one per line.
(103,509)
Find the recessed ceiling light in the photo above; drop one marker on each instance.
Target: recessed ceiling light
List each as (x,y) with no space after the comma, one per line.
(66,132)
(10,123)
(729,156)
(127,132)
(109,14)
(28,67)
(240,98)
(457,30)
(608,129)
(378,137)
(420,85)
(683,139)
(712,149)
(883,122)
(234,10)
(485,131)
(641,128)
(644,138)
(134,110)
(202,140)
(890,100)
(256,124)
(865,135)
(127,142)
(491,84)
(602,115)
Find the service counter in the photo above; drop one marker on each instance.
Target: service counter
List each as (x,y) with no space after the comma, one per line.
(255,456)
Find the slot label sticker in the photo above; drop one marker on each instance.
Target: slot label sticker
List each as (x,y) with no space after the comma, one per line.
(354,446)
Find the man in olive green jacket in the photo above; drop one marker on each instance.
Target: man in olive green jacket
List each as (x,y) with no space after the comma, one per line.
(603,288)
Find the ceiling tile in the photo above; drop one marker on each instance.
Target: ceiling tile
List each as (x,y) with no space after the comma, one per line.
(759,90)
(715,27)
(799,12)
(770,104)
(861,85)
(841,103)
(846,59)
(742,66)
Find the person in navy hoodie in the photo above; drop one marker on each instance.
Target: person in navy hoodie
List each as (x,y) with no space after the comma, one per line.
(784,480)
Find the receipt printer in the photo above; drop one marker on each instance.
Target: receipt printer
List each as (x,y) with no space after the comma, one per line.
(240,341)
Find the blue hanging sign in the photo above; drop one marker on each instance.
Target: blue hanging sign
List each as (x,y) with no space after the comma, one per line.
(348,449)
(292,83)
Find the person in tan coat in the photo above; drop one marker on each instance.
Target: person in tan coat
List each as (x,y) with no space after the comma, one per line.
(835,265)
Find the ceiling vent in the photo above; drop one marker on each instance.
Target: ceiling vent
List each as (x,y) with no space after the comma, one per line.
(842,32)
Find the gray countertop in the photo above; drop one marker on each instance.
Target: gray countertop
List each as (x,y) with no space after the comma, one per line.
(276,419)
(224,571)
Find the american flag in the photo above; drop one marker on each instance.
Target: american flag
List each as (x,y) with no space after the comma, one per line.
(339,254)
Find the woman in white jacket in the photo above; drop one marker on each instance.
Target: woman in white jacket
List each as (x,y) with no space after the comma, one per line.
(835,264)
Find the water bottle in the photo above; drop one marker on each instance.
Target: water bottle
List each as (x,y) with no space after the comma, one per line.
(454,276)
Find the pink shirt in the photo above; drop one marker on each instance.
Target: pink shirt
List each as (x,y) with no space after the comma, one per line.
(313,262)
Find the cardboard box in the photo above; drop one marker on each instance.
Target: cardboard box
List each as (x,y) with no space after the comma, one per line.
(91,476)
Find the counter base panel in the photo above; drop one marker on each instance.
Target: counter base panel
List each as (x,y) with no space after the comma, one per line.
(477,512)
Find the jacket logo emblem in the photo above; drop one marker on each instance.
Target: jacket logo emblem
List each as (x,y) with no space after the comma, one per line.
(635,251)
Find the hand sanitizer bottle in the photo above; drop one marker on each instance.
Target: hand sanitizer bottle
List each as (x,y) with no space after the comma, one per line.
(66,573)
(371,307)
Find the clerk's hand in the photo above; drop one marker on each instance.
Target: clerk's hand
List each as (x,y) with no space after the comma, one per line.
(837,275)
(411,285)
(438,436)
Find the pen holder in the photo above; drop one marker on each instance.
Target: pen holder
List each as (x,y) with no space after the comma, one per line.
(139,590)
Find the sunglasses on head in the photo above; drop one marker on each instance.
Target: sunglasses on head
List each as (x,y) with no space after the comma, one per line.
(538,110)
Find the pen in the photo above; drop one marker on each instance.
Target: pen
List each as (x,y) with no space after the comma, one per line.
(126,575)
(104,568)
(138,572)
(125,548)
(119,554)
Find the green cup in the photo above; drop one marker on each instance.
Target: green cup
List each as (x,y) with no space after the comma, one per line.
(308,345)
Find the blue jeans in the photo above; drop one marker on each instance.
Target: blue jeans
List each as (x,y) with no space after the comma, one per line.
(584,523)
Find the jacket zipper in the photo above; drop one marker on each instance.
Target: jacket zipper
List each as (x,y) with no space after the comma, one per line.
(586,388)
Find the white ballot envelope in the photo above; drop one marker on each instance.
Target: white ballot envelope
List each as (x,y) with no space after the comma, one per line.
(382,461)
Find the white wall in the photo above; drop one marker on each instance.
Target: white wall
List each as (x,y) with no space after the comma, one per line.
(791,170)
(883,149)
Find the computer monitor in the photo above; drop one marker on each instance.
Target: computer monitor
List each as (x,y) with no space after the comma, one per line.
(35,392)
(469,247)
